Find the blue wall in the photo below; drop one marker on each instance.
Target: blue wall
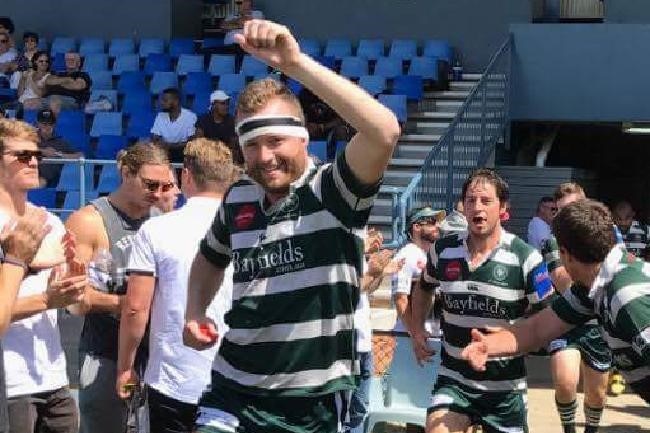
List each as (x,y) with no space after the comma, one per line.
(581,72)
(627,11)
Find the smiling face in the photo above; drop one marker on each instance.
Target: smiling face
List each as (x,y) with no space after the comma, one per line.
(482,208)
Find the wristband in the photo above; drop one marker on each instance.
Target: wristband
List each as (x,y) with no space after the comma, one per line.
(16,262)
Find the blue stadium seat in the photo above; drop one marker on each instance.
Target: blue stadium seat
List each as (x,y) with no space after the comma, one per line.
(126,63)
(189,63)
(201,103)
(80,142)
(221,64)
(69,178)
(397,104)
(232,103)
(425,67)
(111,95)
(161,81)
(102,80)
(95,62)
(63,45)
(340,146)
(251,67)
(120,46)
(136,102)
(318,149)
(404,49)
(327,61)
(45,197)
(354,67)
(42,44)
(178,46)
(388,67)
(131,81)
(373,84)
(338,48)
(409,85)
(140,124)
(72,198)
(157,62)
(232,83)
(106,123)
(310,47)
(439,49)
(151,46)
(109,145)
(91,46)
(210,43)
(58,62)
(295,86)
(109,179)
(29,116)
(196,82)
(371,49)
(70,121)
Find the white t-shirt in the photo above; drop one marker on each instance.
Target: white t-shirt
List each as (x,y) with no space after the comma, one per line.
(165,246)
(7,57)
(538,232)
(229,39)
(178,131)
(33,356)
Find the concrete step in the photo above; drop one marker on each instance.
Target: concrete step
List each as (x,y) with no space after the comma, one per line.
(448,94)
(427,127)
(448,105)
(398,177)
(432,115)
(461,85)
(412,151)
(414,163)
(471,77)
(419,138)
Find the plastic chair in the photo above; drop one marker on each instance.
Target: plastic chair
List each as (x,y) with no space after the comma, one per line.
(91,46)
(295,86)
(338,48)
(438,48)
(210,43)
(425,67)
(106,123)
(189,63)
(221,64)
(81,143)
(373,84)
(371,49)
(136,102)
(58,62)
(109,145)
(126,62)
(70,120)
(232,83)
(63,45)
(196,82)
(178,46)
(397,104)
(102,80)
(45,197)
(151,46)
(327,61)
(409,85)
(69,178)
(131,81)
(318,149)
(311,47)
(140,124)
(109,179)
(404,49)
(30,116)
(95,62)
(252,67)
(161,81)
(354,67)
(388,67)
(119,46)
(201,103)
(157,62)
(111,95)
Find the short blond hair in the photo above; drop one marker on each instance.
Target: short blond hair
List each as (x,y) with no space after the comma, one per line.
(258,93)
(568,188)
(141,153)
(11,128)
(210,164)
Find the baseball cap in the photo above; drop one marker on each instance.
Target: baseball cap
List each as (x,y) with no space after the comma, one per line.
(218,95)
(424,213)
(46,116)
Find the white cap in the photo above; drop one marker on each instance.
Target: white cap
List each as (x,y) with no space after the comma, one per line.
(219,95)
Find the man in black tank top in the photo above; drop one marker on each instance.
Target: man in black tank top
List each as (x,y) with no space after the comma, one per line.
(104,231)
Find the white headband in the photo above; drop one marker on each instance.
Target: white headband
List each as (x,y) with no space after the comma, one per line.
(256,126)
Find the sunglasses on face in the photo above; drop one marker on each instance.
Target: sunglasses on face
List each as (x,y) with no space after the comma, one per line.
(42,61)
(155,186)
(4,41)
(25,156)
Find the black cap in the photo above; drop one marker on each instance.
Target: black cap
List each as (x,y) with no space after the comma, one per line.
(46,116)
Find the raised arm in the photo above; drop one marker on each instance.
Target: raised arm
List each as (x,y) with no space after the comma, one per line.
(377,128)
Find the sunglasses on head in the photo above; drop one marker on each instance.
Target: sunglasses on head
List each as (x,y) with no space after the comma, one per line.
(25,156)
(154,186)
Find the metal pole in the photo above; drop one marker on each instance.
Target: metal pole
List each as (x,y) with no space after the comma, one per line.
(82,181)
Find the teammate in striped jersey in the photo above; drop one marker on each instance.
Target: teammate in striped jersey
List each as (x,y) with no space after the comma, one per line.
(609,284)
(293,232)
(487,277)
(635,235)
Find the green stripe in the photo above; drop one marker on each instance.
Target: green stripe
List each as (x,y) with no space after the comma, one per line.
(513,369)
(567,313)
(310,303)
(289,356)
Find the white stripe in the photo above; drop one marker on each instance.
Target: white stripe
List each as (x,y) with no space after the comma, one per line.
(332,274)
(462,287)
(533,259)
(636,245)
(291,331)
(576,304)
(316,184)
(245,194)
(485,385)
(300,379)
(216,245)
(220,420)
(645,335)
(506,257)
(247,239)
(354,202)
(453,253)
(637,374)
(455,352)
(285,130)
(625,295)
(471,322)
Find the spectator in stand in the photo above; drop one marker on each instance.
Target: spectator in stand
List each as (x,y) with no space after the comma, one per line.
(7,26)
(69,89)
(174,125)
(219,125)
(322,122)
(30,48)
(234,23)
(52,146)
(539,228)
(7,57)
(635,235)
(31,86)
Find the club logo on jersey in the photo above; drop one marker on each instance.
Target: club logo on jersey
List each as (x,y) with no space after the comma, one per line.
(452,271)
(245,216)
(500,272)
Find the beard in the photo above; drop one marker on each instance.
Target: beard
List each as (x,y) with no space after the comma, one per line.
(291,171)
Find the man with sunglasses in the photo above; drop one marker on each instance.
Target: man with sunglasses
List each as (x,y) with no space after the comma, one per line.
(104,232)
(52,146)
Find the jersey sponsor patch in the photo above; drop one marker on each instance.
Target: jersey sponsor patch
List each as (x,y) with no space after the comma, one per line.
(245,216)
(452,270)
(542,281)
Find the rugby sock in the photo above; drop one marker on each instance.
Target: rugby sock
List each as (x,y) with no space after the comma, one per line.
(567,413)
(592,418)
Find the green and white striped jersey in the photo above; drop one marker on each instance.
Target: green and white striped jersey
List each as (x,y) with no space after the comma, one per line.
(637,239)
(620,299)
(297,267)
(495,293)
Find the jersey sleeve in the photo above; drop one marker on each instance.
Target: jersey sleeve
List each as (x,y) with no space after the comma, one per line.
(551,254)
(428,279)
(216,246)
(142,259)
(574,307)
(630,315)
(539,286)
